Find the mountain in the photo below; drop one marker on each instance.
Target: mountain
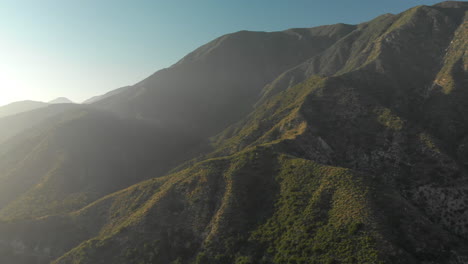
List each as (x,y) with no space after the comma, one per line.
(336,144)
(72,160)
(95,99)
(16,124)
(26,106)
(219,83)
(173,141)
(61,100)
(20,107)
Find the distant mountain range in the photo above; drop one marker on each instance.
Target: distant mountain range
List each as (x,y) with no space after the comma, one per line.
(19,107)
(25,106)
(334,144)
(61,100)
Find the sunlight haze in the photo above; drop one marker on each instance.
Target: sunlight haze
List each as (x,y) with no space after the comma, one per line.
(78,49)
(233,132)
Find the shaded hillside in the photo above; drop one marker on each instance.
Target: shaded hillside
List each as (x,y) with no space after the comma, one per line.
(354,153)
(11,126)
(218,83)
(20,107)
(60,165)
(97,98)
(80,156)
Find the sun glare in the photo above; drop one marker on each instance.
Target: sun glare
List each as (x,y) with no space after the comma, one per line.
(10,88)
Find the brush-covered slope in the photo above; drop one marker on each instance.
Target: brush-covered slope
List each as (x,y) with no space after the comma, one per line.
(195,216)
(388,121)
(258,206)
(20,107)
(11,126)
(354,153)
(80,156)
(37,170)
(369,117)
(407,49)
(61,165)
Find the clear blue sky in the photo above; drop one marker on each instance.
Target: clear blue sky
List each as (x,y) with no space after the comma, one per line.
(81,48)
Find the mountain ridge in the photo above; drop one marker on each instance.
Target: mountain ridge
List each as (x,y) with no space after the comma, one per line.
(352,155)
(97,98)
(19,107)
(61,100)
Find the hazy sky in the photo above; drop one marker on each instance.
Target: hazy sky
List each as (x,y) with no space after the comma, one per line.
(81,48)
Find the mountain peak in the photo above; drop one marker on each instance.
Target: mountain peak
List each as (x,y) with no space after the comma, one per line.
(452,4)
(61,100)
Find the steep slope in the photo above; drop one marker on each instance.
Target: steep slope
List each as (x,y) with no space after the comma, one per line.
(188,128)
(273,208)
(45,170)
(79,157)
(383,119)
(446,106)
(367,118)
(11,126)
(258,206)
(218,83)
(97,98)
(395,46)
(362,164)
(20,107)
(252,191)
